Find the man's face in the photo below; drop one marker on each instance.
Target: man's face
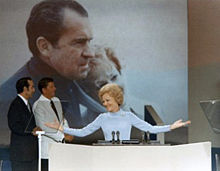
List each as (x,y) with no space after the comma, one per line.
(70,57)
(30,90)
(50,90)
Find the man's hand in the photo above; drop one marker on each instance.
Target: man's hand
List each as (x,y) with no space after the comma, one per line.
(68,138)
(35,130)
(54,125)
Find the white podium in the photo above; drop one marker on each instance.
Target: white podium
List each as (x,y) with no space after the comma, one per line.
(188,157)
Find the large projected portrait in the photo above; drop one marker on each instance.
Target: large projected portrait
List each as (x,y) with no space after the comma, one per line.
(139,44)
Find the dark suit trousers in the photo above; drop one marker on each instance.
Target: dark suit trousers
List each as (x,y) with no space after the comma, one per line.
(24,165)
(44,164)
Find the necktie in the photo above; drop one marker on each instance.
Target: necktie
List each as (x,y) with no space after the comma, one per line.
(54,109)
(29,107)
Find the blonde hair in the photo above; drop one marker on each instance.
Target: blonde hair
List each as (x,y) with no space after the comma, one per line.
(114,90)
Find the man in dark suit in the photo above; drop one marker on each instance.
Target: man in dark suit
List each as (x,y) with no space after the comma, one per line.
(59,35)
(23,144)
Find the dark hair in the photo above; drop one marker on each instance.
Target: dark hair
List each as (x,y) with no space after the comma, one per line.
(21,83)
(43,83)
(46,19)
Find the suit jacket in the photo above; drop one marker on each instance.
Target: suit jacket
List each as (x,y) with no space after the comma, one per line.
(44,113)
(78,107)
(23,145)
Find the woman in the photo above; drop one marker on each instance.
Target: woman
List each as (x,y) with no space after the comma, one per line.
(111,96)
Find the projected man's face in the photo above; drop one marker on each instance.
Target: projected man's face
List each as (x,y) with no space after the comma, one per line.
(70,57)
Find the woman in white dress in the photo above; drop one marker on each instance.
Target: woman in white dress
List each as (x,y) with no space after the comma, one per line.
(116,119)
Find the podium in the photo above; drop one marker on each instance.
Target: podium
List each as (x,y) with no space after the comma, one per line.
(211,108)
(188,157)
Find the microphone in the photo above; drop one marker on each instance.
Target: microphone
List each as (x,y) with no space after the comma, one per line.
(148,138)
(113,137)
(118,139)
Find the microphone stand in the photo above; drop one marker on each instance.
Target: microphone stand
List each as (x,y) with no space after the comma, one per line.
(118,139)
(113,137)
(39,134)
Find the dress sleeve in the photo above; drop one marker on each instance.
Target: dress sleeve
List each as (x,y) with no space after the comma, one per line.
(65,123)
(145,126)
(89,129)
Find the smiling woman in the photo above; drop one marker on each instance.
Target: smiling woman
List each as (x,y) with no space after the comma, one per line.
(115,119)
(111,97)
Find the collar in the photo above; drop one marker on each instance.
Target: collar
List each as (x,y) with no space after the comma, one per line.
(25,100)
(38,69)
(36,64)
(118,113)
(43,98)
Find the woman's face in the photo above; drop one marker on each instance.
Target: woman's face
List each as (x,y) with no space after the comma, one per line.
(110,103)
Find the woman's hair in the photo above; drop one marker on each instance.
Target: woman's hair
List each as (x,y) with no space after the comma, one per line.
(114,91)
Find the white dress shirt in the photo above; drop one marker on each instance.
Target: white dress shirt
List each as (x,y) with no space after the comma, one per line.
(25,100)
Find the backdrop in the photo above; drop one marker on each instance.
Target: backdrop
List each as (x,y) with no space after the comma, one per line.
(149,38)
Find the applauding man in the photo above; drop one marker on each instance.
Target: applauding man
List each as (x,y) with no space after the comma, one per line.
(48,109)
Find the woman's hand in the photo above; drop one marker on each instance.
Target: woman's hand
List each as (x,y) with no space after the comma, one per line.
(179,123)
(54,125)
(68,138)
